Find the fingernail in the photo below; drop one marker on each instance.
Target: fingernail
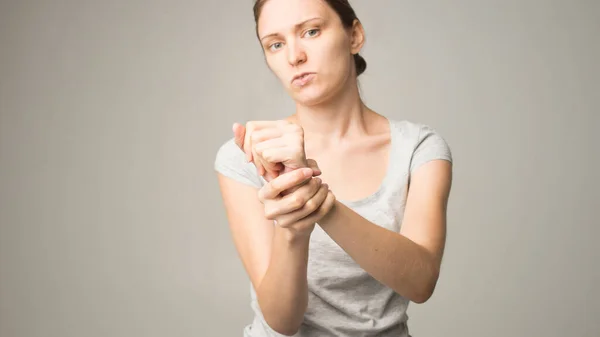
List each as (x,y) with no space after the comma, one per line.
(307,172)
(318,180)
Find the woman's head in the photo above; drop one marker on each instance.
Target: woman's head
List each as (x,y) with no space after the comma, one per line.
(318,37)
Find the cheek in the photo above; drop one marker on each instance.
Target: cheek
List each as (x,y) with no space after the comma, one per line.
(334,49)
(277,65)
(335,58)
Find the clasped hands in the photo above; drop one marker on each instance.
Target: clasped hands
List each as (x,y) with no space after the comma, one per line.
(294,197)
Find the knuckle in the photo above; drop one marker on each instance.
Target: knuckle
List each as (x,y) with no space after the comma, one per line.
(267,155)
(311,205)
(261,195)
(257,136)
(275,185)
(270,213)
(330,200)
(298,201)
(318,189)
(299,175)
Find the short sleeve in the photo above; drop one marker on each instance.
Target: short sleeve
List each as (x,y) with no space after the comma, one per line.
(430,146)
(231,162)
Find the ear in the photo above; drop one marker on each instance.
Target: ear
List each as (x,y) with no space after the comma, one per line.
(357,37)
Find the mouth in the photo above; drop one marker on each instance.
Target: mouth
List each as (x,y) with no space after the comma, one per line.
(302,79)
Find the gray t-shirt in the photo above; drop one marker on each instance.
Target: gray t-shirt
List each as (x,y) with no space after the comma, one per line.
(344,300)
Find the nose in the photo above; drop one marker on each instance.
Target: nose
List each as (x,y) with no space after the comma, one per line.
(296,53)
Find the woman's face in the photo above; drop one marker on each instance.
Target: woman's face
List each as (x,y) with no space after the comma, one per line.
(307,36)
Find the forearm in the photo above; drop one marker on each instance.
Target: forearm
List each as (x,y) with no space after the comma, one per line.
(389,257)
(283,291)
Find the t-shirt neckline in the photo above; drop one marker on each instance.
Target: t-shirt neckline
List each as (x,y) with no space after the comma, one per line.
(388,174)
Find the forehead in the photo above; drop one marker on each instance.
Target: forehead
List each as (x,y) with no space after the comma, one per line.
(281,15)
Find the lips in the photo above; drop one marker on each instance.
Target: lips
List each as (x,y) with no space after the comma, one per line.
(302,79)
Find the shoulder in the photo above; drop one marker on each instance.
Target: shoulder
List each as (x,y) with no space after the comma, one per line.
(423,142)
(228,152)
(230,161)
(411,130)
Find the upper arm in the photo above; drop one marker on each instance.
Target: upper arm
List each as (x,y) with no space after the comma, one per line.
(425,213)
(429,189)
(251,231)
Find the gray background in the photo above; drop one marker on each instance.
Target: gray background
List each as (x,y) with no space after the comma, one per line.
(112,112)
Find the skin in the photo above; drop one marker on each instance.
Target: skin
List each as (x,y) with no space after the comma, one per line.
(344,139)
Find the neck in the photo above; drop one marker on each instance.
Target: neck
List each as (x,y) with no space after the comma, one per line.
(343,117)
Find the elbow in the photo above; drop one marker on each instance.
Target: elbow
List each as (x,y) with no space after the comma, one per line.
(423,295)
(425,290)
(287,332)
(285,321)
(281,328)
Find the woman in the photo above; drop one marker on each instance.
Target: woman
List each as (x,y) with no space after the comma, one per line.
(338,244)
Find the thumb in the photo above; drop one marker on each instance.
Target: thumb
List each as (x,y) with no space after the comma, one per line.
(239,132)
(314,166)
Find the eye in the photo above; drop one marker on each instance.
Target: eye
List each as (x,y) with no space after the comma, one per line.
(311,32)
(275,45)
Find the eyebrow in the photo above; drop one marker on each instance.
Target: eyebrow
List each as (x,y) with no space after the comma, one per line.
(295,26)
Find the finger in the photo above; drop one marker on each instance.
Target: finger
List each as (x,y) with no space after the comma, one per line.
(288,155)
(272,169)
(239,132)
(278,155)
(295,201)
(247,141)
(269,165)
(265,165)
(268,143)
(270,175)
(318,214)
(307,209)
(251,127)
(266,133)
(266,168)
(314,166)
(258,162)
(284,182)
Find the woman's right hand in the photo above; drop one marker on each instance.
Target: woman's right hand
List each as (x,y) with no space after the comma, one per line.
(275,147)
(300,210)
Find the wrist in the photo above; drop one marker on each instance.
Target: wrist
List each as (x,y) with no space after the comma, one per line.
(287,169)
(329,215)
(292,236)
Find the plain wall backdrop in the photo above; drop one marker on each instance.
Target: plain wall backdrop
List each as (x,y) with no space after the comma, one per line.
(111,222)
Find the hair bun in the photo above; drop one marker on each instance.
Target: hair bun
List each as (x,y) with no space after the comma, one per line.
(361,64)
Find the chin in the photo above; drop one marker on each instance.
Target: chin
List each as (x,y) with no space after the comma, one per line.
(310,96)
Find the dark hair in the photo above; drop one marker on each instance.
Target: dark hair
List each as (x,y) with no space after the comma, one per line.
(346,14)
